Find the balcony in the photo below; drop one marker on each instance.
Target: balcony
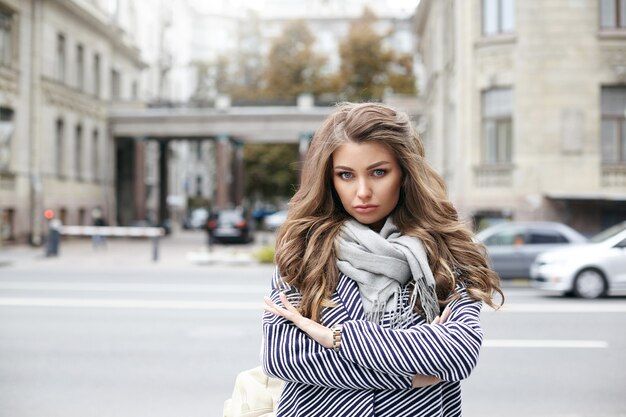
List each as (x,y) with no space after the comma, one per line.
(493,175)
(613,175)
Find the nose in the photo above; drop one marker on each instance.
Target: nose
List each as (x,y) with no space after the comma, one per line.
(364,191)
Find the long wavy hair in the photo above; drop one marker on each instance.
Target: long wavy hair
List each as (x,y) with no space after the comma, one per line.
(305,246)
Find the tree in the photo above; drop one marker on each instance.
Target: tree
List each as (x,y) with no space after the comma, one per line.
(367,66)
(271,171)
(401,77)
(293,67)
(212,78)
(248,82)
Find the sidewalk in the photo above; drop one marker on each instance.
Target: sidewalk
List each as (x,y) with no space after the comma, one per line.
(181,249)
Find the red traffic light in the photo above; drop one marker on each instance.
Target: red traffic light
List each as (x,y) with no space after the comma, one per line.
(48,214)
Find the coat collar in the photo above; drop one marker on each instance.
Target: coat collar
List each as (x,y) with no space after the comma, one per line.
(348,296)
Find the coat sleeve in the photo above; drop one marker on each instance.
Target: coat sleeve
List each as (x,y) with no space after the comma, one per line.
(448,351)
(291,355)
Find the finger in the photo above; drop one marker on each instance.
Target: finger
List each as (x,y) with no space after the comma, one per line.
(271,307)
(446,313)
(287,303)
(436,320)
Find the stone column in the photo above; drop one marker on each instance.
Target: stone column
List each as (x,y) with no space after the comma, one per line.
(222,172)
(139,180)
(163,181)
(304,139)
(238,174)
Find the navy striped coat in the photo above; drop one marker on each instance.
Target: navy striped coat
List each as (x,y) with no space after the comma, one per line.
(371,373)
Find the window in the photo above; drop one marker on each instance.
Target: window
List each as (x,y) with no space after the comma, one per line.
(507,237)
(78,152)
(59,149)
(80,67)
(613,14)
(96,75)
(198,186)
(6,133)
(135,90)
(497,105)
(5,37)
(61,57)
(115,85)
(94,154)
(498,17)
(613,127)
(544,237)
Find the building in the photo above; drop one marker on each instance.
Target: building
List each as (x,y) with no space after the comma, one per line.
(525,107)
(182,42)
(63,65)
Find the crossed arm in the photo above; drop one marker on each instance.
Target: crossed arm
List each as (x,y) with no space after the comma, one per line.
(324,335)
(445,349)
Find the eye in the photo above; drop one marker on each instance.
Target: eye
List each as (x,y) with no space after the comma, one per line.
(379,172)
(345,175)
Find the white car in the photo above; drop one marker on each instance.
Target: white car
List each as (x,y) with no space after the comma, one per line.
(587,270)
(275,220)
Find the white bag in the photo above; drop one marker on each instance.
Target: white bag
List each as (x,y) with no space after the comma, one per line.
(255,395)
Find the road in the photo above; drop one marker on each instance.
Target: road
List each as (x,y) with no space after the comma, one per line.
(82,337)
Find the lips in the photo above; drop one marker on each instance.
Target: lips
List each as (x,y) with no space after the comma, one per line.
(365,208)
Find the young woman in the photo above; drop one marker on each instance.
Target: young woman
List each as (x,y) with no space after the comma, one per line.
(376,297)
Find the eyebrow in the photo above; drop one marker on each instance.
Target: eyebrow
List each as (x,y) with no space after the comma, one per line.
(374,165)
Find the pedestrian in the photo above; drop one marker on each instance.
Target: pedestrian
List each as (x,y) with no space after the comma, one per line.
(375,302)
(97,217)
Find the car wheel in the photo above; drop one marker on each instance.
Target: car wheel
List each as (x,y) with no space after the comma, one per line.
(590,283)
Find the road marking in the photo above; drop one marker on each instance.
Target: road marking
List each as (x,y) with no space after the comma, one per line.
(129,304)
(114,287)
(578,307)
(521,343)
(582,307)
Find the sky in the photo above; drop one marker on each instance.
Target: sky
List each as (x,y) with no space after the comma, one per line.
(263,6)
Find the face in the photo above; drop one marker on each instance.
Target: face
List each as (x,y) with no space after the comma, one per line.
(367,178)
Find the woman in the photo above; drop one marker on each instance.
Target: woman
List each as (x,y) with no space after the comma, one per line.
(376,299)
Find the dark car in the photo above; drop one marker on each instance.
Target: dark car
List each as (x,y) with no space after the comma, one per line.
(230,226)
(513,246)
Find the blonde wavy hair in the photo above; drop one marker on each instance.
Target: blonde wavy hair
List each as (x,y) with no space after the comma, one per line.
(305,246)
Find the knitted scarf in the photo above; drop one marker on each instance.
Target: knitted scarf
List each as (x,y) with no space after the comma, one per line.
(382,264)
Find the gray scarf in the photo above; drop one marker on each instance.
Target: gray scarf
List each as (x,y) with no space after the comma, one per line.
(382,264)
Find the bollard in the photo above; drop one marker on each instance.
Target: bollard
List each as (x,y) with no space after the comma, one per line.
(155,248)
(54,238)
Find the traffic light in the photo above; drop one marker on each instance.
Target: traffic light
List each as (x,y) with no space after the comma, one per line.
(48,214)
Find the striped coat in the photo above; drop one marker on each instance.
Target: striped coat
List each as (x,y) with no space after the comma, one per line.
(371,373)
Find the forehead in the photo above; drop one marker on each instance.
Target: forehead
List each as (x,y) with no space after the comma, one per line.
(357,154)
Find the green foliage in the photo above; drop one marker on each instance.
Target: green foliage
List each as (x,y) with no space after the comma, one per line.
(265,255)
(364,61)
(401,78)
(293,67)
(271,171)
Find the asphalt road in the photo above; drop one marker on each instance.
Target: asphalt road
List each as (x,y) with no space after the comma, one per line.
(138,339)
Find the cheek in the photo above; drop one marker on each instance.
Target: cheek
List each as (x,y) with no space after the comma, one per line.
(340,189)
(394,191)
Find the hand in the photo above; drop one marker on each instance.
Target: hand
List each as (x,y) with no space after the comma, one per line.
(321,334)
(443,318)
(420,381)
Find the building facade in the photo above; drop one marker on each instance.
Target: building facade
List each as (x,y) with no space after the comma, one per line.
(64,65)
(525,106)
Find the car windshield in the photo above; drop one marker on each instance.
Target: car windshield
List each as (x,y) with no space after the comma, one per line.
(229,216)
(608,233)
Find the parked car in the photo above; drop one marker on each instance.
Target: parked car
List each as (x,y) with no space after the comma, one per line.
(230,226)
(275,220)
(513,246)
(196,219)
(588,270)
